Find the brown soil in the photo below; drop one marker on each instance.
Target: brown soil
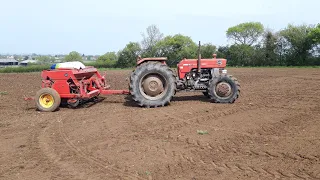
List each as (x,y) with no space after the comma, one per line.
(271,132)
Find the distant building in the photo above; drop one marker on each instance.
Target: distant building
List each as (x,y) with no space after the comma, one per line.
(94,58)
(26,62)
(8,62)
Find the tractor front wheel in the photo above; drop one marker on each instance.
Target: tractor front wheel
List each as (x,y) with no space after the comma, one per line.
(47,99)
(224,89)
(152,84)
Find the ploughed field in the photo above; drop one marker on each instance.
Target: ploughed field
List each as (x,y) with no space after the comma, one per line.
(271,132)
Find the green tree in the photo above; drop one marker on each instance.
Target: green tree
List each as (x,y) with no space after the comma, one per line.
(241,55)
(150,39)
(269,48)
(108,57)
(128,56)
(46,59)
(176,48)
(223,52)
(298,43)
(246,33)
(207,50)
(315,34)
(73,56)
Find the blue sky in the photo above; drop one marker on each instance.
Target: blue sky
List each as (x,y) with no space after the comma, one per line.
(99,26)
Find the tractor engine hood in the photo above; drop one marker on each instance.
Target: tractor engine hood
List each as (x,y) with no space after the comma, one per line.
(205,63)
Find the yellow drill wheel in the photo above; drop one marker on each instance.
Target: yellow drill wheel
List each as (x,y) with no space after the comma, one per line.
(47,100)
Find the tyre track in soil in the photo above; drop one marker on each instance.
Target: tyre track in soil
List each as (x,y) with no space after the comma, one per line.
(186,122)
(55,159)
(226,166)
(229,167)
(43,141)
(223,167)
(236,167)
(183,162)
(182,122)
(245,151)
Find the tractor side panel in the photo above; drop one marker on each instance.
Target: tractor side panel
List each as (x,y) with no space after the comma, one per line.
(187,65)
(183,69)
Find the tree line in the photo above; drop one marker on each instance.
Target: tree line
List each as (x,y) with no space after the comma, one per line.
(252,45)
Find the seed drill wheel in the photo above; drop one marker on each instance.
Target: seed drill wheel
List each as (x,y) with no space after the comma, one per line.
(73,103)
(224,89)
(152,84)
(47,99)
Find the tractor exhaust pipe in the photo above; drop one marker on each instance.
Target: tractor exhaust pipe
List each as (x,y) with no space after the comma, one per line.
(199,59)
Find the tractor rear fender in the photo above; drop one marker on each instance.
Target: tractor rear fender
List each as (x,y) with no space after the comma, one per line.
(159,59)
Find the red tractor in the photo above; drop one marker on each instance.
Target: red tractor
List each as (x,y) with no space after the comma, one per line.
(152,83)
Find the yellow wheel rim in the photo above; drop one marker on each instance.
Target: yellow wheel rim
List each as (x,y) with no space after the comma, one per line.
(46,100)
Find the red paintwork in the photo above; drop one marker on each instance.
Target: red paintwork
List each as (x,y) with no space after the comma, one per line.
(83,79)
(160,59)
(186,65)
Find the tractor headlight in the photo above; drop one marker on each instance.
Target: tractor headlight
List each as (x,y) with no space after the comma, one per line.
(224,71)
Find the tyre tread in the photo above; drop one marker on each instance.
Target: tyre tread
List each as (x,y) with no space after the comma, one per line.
(134,84)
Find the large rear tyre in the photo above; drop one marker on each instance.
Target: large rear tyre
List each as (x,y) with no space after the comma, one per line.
(152,84)
(47,100)
(224,89)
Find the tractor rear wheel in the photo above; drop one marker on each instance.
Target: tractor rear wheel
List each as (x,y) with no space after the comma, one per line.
(224,89)
(47,99)
(152,84)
